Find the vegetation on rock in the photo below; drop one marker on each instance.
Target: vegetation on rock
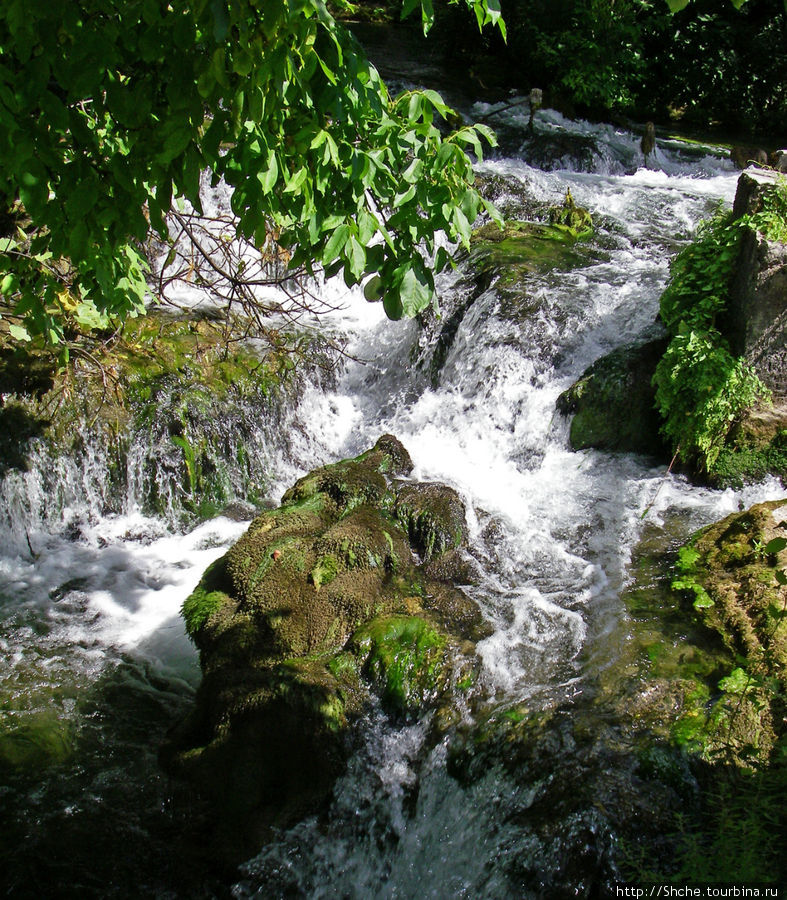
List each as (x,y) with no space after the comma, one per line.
(321,601)
(702,385)
(159,383)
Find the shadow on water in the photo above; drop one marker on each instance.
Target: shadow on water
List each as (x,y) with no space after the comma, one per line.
(99,819)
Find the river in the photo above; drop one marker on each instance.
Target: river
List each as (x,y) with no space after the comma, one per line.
(94,663)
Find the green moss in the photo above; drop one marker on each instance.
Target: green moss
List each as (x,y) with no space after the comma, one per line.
(404,657)
(434,516)
(32,740)
(521,248)
(738,595)
(355,482)
(743,463)
(199,606)
(613,404)
(344,666)
(325,571)
(206,599)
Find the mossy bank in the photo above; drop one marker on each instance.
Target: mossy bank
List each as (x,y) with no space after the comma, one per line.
(171,416)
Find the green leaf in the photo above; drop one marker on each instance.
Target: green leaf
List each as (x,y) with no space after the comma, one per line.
(8,284)
(87,314)
(392,304)
(373,289)
(294,182)
(242,62)
(403,197)
(415,291)
(775,546)
(269,177)
(335,244)
(356,256)
(437,102)
(413,172)
(19,333)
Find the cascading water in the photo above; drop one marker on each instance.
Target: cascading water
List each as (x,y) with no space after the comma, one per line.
(95,665)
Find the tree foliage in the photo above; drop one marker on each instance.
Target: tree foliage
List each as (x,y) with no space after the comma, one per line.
(111,109)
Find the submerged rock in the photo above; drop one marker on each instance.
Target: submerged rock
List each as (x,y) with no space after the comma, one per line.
(319,606)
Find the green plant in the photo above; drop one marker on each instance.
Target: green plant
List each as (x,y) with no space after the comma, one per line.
(771,218)
(110,109)
(701,387)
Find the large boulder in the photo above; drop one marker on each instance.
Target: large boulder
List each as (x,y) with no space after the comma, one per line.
(327,602)
(613,404)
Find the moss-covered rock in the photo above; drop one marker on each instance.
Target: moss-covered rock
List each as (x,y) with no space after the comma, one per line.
(170,408)
(406,659)
(734,573)
(322,604)
(756,447)
(613,403)
(434,516)
(699,673)
(522,247)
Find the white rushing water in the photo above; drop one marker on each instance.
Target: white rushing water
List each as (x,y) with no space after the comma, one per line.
(553,530)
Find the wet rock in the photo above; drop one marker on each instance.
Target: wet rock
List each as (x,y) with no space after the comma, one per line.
(434,516)
(756,319)
(574,791)
(561,150)
(319,607)
(613,403)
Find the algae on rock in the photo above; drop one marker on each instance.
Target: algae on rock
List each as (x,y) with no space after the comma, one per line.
(320,605)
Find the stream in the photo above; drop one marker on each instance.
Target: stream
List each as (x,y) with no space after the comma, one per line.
(95,666)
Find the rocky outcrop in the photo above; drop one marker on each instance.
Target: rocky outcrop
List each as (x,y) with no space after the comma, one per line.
(327,601)
(756,320)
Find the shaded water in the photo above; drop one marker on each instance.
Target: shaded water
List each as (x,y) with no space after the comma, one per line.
(95,666)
